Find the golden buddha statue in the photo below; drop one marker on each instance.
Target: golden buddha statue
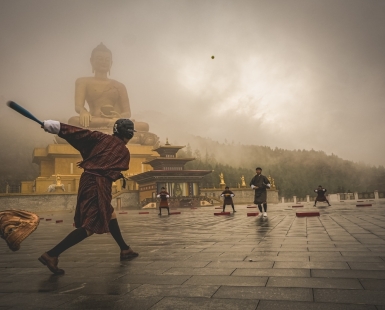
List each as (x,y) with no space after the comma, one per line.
(107,100)
(222,178)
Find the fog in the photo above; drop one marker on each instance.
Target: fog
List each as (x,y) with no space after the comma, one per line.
(293,74)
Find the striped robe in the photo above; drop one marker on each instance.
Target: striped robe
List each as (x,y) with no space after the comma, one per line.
(104,157)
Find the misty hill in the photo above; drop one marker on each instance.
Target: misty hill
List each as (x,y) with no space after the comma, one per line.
(296,172)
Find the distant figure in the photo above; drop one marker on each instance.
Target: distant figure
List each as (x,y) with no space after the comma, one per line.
(259,183)
(163,195)
(228,195)
(320,195)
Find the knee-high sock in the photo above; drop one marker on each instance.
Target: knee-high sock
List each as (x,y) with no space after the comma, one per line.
(117,235)
(265,206)
(73,238)
(224,207)
(233,206)
(260,207)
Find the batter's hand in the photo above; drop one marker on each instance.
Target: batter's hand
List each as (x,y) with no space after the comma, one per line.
(51,126)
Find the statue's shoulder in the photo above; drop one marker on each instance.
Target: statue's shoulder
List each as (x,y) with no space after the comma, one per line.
(83,80)
(117,84)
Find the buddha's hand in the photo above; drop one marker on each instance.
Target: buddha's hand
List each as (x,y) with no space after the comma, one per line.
(85,118)
(113,114)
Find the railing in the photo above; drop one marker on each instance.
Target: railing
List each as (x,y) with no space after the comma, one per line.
(365,195)
(181,201)
(12,188)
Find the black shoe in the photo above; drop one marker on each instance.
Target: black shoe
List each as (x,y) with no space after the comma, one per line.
(51,263)
(127,254)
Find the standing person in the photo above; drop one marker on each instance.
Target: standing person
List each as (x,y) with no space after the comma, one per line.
(228,195)
(259,183)
(163,195)
(104,157)
(320,195)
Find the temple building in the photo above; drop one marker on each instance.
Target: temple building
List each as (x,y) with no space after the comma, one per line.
(169,171)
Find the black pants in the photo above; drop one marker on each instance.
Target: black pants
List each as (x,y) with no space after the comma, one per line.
(322,199)
(160,210)
(224,206)
(264,207)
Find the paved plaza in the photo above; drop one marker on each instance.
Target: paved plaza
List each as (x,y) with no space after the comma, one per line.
(195,260)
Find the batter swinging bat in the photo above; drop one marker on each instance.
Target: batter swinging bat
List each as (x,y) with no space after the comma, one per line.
(13,105)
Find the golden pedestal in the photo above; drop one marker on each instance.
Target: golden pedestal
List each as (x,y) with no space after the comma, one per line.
(60,160)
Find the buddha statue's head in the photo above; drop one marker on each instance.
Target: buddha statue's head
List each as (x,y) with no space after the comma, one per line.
(101,59)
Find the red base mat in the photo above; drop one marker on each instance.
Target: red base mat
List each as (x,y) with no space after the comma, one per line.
(253,214)
(304,214)
(297,206)
(364,205)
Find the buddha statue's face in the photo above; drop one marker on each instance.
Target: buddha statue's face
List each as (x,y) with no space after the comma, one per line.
(101,61)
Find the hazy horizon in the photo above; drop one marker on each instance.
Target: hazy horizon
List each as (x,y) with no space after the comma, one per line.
(292,74)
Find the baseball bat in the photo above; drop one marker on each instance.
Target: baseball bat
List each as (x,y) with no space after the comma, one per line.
(13,105)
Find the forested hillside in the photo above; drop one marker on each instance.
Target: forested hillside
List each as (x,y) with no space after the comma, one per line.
(296,172)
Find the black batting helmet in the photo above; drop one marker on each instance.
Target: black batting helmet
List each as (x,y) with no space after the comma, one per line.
(124,128)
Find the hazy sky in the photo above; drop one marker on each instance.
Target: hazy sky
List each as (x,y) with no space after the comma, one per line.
(295,74)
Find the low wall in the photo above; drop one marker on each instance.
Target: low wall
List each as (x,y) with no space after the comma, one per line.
(58,202)
(242,195)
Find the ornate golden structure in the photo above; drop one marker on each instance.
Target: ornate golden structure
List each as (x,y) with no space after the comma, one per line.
(243,184)
(107,101)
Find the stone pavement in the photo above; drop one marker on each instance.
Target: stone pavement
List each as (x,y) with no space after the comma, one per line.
(196,260)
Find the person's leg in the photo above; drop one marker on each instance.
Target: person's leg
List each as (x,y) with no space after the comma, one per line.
(327,202)
(73,238)
(232,205)
(113,226)
(224,207)
(315,202)
(168,210)
(260,207)
(265,208)
(125,251)
(50,258)
(160,211)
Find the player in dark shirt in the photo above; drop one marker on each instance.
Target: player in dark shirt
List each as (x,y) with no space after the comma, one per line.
(228,198)
(259,183)
(163,195)
(320,195)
